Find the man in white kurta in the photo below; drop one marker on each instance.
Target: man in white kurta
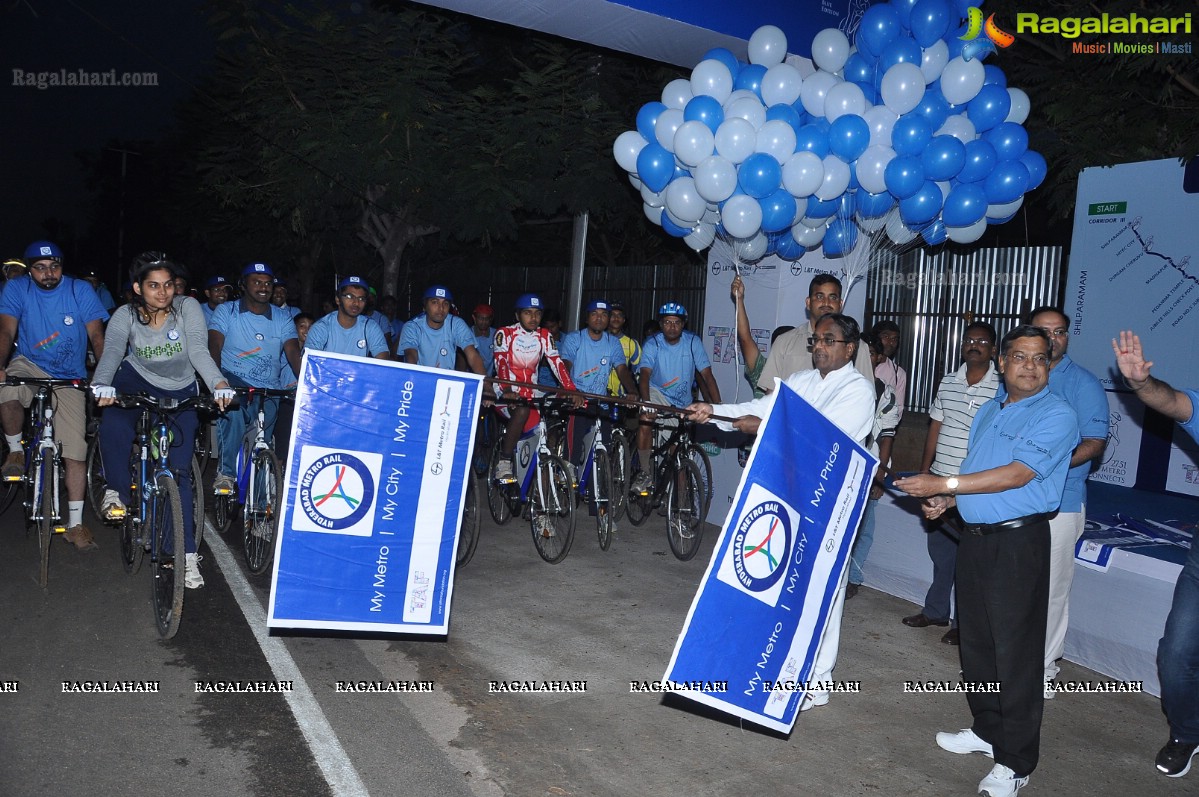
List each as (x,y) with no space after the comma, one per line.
(843,395)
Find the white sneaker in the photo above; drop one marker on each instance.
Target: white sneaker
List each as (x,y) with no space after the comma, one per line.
(642,483)
(224,485)
(112,507)
(191,572)
(813,699)
(964,741)
(1001,781)
(503,470)
(1050,692)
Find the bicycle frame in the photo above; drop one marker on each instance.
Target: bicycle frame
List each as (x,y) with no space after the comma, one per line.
(42,447)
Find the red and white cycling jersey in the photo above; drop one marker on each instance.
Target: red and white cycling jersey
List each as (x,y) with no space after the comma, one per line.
(518,354)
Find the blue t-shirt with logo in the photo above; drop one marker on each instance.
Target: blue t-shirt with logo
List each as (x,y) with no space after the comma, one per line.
(364,339)
(591,361)
(52,325)
(436,348)
(253,343)
(485,343)
(674,365)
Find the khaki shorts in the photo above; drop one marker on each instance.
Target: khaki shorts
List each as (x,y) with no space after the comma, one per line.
(70,408)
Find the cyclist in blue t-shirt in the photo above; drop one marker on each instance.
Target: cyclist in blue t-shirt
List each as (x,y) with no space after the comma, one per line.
(434,337)
(349,331)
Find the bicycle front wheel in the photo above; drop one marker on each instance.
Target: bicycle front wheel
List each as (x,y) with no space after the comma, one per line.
(46,492)
(637,505)
(166,512)
(685,510)
(262,512)
(703,465)
(197,477)
(620,455)
(472,522)
(603,492)
(96,483)
(499,496)
(552,509)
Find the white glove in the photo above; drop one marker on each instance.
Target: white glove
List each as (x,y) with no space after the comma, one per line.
(224,394)
(104,391)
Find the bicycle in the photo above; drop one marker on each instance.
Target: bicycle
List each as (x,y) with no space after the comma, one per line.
(542,487)
(597,482)
(472,522)
(259,486)
(678,482)
(43,478)
(153,521)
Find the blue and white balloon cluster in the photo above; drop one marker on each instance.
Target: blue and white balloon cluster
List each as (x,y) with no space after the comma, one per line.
(903,132)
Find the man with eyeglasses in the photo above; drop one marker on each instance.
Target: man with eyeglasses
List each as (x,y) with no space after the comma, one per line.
(1010,483)
(1086,395)
(53,318)
(348,331)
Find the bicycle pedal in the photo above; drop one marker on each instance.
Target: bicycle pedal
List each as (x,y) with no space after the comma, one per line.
(222,492)
(12,478)
(60,529)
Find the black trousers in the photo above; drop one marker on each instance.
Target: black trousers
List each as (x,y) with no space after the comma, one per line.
(1003,599)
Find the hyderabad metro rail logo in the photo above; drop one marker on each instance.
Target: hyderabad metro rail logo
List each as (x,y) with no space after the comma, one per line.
(336,491)
(761,546)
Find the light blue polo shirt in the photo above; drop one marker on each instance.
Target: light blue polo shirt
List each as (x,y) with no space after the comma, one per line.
(52,325)
(486,346)
(253,343)
(1041,432)
(364,339)
(1191,427)
(591,361)
(674,365)
(436,347)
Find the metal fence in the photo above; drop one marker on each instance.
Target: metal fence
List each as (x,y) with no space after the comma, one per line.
(933,297)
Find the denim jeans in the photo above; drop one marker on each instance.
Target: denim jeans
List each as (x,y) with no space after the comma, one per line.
(1178,655)
(861,546)
(231,428)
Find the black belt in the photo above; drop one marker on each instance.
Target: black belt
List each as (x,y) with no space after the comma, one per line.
(1006,525)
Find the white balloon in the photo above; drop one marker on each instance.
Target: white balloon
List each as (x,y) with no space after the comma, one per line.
(881,120)
(767,46)
(836,179)
(781,85)
(933,60)
(872,167)
(735,139)
(1004,210)
(803,173)
(813,91)
(701,237)
(669,122)
(653,214)
(693,142)
(844,99)
(683,202)
(968,234)
(814,222)
(627,147)
(677,93)
(713,78)
(830,49)
(808,236)
(742,216)
(871,225)
(715,179)
(776,138)
(961,79)
(1020,106)
(747,250)
(711,215)
(897,231)
(902,87)
(747,108)
(635,180)
(959,126)
(654,199)
(736,95)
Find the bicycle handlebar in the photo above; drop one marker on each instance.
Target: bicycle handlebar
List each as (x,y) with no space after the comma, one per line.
(132,401)
(41,381)
(562,393)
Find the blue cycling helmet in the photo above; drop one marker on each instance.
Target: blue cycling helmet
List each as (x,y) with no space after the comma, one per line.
(438,292)
(529,301)
(42,250)
(672,308)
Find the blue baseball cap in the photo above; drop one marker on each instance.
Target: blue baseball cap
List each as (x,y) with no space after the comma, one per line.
(215,281)
(42,250)
(358,282)
(257,268)
(598,304)
(438,292)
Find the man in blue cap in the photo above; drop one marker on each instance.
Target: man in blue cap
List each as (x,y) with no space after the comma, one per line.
(434,337)
(217,291)
(246,339)
(348,331)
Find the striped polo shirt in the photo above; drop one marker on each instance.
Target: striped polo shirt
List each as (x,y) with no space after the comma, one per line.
(955,406)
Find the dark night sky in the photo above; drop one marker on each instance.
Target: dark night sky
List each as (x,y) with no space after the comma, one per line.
(42,129)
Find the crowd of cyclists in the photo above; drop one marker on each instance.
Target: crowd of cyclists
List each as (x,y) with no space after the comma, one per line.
(170,341)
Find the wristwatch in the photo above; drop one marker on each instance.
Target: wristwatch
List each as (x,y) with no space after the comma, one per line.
(951,484)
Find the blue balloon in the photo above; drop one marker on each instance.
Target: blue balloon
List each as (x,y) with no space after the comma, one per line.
(956,45)
(870,92)
(778,211)
(854,185)
(935,233)
(840,237)
(1007,182)
(901,51)
(759,175)
(848,137)
(922,206)
(993,76)
(679,171)
(904,176)
(845,206)
(706,109)
(818,209)
(1009,139)
(911,134)
(988,108)
(672,228)
(750,78)
(966,204)
(943,158)
(810,138)
(980,160)
(655,166)
(878,28)
(871,206)
(647,117)
(859,69)
(725,57)
(786,247)
(934,107)
(904,9)
(784,113)
(1037,168)
(930,20)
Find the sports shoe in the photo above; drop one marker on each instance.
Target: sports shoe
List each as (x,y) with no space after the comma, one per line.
(641,483)
(503,470)
(1001,781)
(1050,692)
(113,508)
(813,700)
(81,537)
(14,467)
(223,485)
(544,525)
(964,741)
(1174,760)
(191,571)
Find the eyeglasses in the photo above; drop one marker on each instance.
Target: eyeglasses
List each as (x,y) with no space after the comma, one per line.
(1060,332)
(978,342)
(827,340)
(44,268)
(349,297)
(1020,358)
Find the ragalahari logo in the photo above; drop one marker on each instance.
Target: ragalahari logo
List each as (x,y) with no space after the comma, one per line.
(994,36)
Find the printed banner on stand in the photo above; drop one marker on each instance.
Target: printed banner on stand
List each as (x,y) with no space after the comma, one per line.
(376,478)
(751,636)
